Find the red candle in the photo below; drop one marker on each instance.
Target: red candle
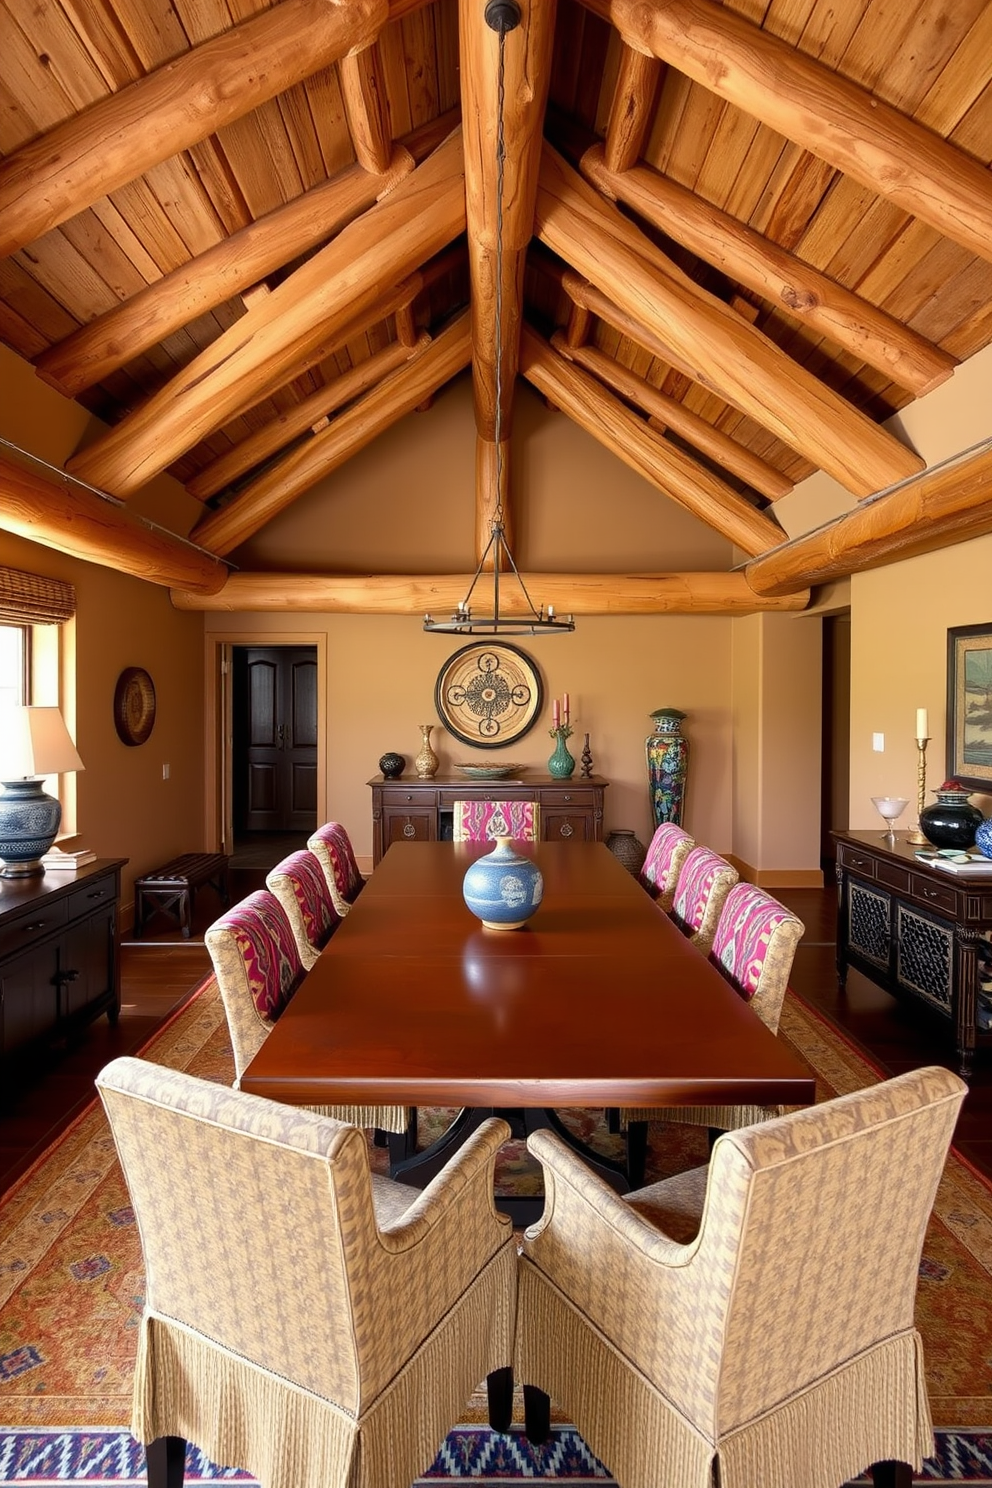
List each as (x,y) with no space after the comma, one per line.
(565,707)
(555,716)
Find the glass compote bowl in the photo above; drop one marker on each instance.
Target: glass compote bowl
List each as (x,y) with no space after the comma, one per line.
(889,808)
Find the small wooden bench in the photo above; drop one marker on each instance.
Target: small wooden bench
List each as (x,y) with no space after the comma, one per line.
(173,887)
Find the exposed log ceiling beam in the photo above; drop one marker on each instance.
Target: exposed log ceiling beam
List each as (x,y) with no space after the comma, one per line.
(944,506)
(527,71)
(432,364)
(824,112)
(777,275)
(147,317)
(79,523)
(594,302)
(71,166)
(625,434)
(364,95)
(671,414)
(577,594)
(281,431)
(415,220)
(492,484)
(730,356)
(632,108)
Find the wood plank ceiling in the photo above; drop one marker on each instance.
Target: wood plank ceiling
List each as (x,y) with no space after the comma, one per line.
(737,238)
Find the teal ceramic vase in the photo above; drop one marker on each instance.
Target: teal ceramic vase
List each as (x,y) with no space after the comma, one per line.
(504,888)
(561,764)
(668,765)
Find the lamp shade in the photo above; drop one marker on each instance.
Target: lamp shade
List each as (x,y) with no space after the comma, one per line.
(35,742)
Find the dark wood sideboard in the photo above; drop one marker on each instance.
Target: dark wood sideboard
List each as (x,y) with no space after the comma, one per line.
(920,932)
(415,810)
(59,955)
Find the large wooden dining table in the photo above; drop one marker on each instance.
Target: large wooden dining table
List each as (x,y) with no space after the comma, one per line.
(598,1001)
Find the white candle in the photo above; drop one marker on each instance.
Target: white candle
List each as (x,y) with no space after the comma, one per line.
(922,726)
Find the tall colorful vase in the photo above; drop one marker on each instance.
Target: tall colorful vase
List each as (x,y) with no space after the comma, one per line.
(668,764)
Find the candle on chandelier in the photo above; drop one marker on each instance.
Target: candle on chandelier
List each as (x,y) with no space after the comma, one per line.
(922,724)
(564,707)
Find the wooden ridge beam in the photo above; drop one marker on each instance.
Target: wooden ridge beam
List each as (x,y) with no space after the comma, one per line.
(625,434)
(363,91)
(945,505)
(68,168)
(829,115)
(527,68)
(82,524)
(116,337)
(417,594)
(791,285)
(730,356)
(340,282)
(283,429)
(492,490)
(672,414)
(632,108)
(430,366)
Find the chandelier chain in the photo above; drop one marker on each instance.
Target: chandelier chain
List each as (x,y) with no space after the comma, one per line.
(500,163)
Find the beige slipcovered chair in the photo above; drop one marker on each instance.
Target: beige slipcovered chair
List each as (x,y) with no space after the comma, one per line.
(749,1323)
(299,884)
(258,969)
(670,846)
(754,947)
(305,1320)
(332,848)
(704,883)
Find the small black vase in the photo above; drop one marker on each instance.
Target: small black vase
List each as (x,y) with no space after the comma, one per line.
(952,821)
(391,766)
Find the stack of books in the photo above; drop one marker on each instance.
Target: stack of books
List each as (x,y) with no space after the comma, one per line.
(67,861)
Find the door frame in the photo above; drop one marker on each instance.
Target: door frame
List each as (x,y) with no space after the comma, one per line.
(218,715)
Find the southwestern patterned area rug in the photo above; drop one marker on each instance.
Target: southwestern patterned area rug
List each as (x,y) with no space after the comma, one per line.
(71,1289)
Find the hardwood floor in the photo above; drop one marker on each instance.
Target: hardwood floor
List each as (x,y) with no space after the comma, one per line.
(156,978)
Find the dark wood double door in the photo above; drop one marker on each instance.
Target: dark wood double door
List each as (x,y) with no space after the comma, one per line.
(275,738)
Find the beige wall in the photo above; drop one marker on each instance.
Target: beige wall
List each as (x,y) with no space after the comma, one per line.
(123,806)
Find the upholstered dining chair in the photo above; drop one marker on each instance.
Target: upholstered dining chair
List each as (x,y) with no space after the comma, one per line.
(667,852)
(304,1320)
(704,883)
(332,848)
(754,946)
(772,1340)
(483,821)
(258,969)
(299,884)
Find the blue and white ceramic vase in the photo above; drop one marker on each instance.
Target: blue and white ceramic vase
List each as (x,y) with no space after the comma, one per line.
(983,837)
(668,764)
(504,888)
(29,820)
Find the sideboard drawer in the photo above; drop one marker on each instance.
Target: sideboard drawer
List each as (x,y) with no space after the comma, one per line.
(938,896)
(103,891)
(574,796)
(857,862)
(396,795)
(893,875)
(29,928)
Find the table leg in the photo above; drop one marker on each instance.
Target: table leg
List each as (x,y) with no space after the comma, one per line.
(423,1166)
(537,1118)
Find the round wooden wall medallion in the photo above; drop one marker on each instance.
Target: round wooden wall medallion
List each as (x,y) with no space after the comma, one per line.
(488,694)
(134,705)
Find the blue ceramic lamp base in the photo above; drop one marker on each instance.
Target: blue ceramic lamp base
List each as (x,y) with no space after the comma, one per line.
(29,820)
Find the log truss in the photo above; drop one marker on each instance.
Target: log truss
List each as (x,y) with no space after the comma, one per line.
(243,247)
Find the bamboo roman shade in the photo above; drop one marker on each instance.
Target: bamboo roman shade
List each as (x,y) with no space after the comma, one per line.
(33,599)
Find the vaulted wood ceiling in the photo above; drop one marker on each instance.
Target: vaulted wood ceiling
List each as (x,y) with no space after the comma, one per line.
(737,237)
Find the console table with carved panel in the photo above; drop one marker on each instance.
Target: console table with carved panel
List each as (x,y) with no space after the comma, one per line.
(415,810)
(918,931)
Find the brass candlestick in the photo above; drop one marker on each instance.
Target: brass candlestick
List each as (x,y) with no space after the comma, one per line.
(916,836)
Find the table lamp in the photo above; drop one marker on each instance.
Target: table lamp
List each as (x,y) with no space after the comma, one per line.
(34,743)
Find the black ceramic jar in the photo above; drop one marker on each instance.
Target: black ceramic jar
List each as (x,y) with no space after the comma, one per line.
(952,820)
(391,766)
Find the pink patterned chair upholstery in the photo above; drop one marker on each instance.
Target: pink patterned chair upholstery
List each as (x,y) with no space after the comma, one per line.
(483,821)
(299,884)
(258,970)
(754,946)
(305,1320)
(670,846)
(704,883)
(772,1343)
(332,848)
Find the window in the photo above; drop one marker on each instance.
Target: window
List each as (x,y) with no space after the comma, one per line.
(15,651)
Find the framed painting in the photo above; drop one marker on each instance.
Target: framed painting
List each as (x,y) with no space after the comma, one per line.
(969,705)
